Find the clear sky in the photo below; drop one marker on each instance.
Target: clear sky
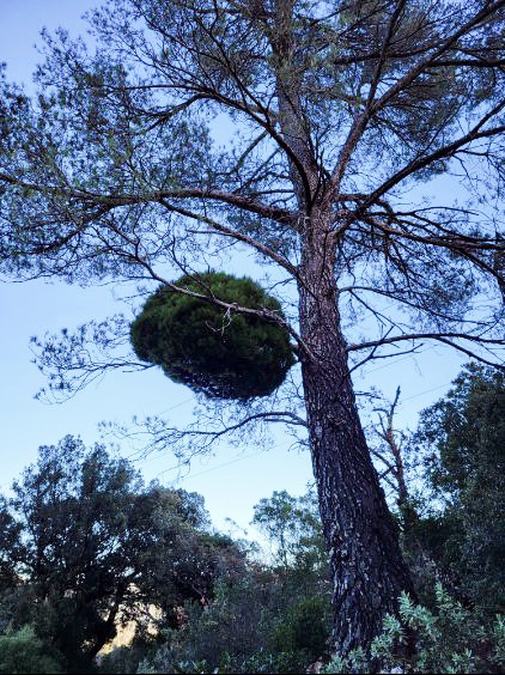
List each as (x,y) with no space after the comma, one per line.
(233,479)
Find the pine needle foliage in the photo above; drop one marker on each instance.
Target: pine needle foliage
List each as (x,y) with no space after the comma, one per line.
(215,350)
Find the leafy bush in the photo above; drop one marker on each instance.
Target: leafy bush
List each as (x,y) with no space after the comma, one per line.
(23,652)
(305,628)
(452,639)
(220,353)
(222,636)
(251,626)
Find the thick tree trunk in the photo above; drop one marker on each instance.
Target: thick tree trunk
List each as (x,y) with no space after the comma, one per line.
(367,567)
(368,571)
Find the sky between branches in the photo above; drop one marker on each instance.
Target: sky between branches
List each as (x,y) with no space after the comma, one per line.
(232,480)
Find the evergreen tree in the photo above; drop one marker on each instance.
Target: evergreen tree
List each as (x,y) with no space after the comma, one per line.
(462,438)
(335,112)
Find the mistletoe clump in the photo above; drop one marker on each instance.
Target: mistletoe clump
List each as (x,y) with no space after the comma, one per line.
(212,348)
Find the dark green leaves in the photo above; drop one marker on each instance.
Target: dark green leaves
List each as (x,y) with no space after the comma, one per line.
(214,348)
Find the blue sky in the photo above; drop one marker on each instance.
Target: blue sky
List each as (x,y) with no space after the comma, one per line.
(233,479)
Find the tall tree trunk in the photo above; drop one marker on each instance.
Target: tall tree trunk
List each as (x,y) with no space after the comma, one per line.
(367,567)
(368,570)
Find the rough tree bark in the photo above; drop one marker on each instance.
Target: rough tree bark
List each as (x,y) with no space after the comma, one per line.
(367,566)
(368,571)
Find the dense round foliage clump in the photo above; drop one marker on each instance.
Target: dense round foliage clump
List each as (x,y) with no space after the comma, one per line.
(224,354)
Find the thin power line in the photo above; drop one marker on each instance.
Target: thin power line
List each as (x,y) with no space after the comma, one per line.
(224,464)
(426,391)
(177,405)
(404,358)
(256,454)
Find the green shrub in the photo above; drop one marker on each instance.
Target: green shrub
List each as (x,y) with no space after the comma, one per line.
(452,639)
(250,626)
(224,354)
(220,637)
(23,652)
(305,628)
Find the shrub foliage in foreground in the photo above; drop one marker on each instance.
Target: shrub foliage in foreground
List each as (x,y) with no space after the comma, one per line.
(224,354)
(449,639)
(260,625)
(22,651)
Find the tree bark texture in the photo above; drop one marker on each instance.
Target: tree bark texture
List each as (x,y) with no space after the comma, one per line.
(367,567)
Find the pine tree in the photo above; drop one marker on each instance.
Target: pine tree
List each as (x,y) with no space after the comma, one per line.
(341,116)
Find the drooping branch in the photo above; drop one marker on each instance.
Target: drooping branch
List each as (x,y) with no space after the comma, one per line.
(445,338)
(72,361)
(156,432)
(219,228)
